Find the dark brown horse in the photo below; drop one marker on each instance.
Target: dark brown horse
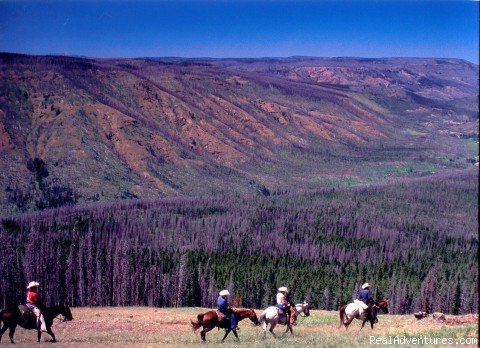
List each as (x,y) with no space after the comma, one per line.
(350,312)
(21,316)
(209,320)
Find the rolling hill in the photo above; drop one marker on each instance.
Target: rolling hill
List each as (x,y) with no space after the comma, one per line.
(79,130)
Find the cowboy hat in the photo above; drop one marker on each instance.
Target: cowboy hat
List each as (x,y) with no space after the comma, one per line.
(366,285)
(32,285)
(283,289)
(224,293)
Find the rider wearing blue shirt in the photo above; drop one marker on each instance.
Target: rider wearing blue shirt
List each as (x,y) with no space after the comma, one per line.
(365,295)
(223,307)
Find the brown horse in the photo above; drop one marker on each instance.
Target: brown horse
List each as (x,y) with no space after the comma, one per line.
(350,312)
(21,316)
(209,320)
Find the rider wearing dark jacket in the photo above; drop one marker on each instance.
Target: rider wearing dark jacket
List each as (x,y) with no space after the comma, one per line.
(366,297)
(223,307)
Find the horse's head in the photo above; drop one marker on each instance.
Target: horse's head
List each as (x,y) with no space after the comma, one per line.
(306,308)
(65,311)
(253,317)
(383,305)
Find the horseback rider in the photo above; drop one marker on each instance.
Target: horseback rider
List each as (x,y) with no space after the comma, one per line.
(224,307)
(282,302)
(33,304)
(365,299)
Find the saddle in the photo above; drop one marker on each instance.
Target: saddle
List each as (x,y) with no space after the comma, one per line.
(28,318)
(361,304)
(24,311)
(221,316)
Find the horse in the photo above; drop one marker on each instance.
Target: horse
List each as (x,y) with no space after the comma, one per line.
(303,308)
(271,316)
(210,320)
(353,310)
(22,316)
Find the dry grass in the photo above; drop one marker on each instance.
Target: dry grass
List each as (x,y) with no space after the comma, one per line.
(155,327)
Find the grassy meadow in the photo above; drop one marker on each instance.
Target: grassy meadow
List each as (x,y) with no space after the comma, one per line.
(158,327)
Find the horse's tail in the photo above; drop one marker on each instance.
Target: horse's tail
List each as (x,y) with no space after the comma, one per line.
(2,319)
(196,325)
(342,315)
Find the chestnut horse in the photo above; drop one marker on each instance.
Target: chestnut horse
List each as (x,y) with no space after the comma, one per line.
(209,320)
(352,311)
(21,316)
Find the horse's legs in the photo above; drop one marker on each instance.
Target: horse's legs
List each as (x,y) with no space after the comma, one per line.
(285,333)
(50,332)
(272,326)
(2,330)
(289,329)
(227,331)
(39,335)
(11,332)
(349,321)
(236,335)
(203,333)
(363,324)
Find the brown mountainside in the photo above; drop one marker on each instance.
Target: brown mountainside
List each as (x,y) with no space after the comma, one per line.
(106,129)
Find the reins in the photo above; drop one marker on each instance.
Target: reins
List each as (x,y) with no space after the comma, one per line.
(59,320)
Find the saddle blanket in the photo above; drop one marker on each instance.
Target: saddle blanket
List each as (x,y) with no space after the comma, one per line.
(361,304)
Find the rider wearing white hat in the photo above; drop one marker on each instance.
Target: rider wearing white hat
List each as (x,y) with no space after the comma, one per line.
(365,297)
(224,293)
(223,307)
(282,302)
(33,302)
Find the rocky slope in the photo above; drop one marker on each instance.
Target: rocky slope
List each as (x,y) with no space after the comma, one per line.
(104,129)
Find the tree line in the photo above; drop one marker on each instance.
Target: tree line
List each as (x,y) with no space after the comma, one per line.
(416,242)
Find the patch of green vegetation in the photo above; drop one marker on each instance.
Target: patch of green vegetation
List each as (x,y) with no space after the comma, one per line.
(445,159)
(384,170)
(472,147)
(351,182)
(414,132)
(372,104)
(394,169)
(345,182)
(327,195)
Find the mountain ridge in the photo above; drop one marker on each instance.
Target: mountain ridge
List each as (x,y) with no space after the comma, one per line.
(147,128)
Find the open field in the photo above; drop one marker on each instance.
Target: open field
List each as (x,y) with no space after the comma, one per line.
(155,327)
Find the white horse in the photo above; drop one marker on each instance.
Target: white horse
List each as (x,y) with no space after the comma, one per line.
(356,310)
(271,316)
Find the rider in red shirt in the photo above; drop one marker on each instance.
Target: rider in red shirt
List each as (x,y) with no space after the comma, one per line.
(33,301)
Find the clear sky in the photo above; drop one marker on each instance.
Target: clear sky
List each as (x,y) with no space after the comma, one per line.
(268,28)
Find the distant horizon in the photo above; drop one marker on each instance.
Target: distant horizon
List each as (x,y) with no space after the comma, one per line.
(242,29)
(230,58)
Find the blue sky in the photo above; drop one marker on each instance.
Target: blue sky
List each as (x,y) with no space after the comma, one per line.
(268,28)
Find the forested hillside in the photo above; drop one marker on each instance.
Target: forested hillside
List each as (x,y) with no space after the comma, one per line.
(415,241)
(76,131)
